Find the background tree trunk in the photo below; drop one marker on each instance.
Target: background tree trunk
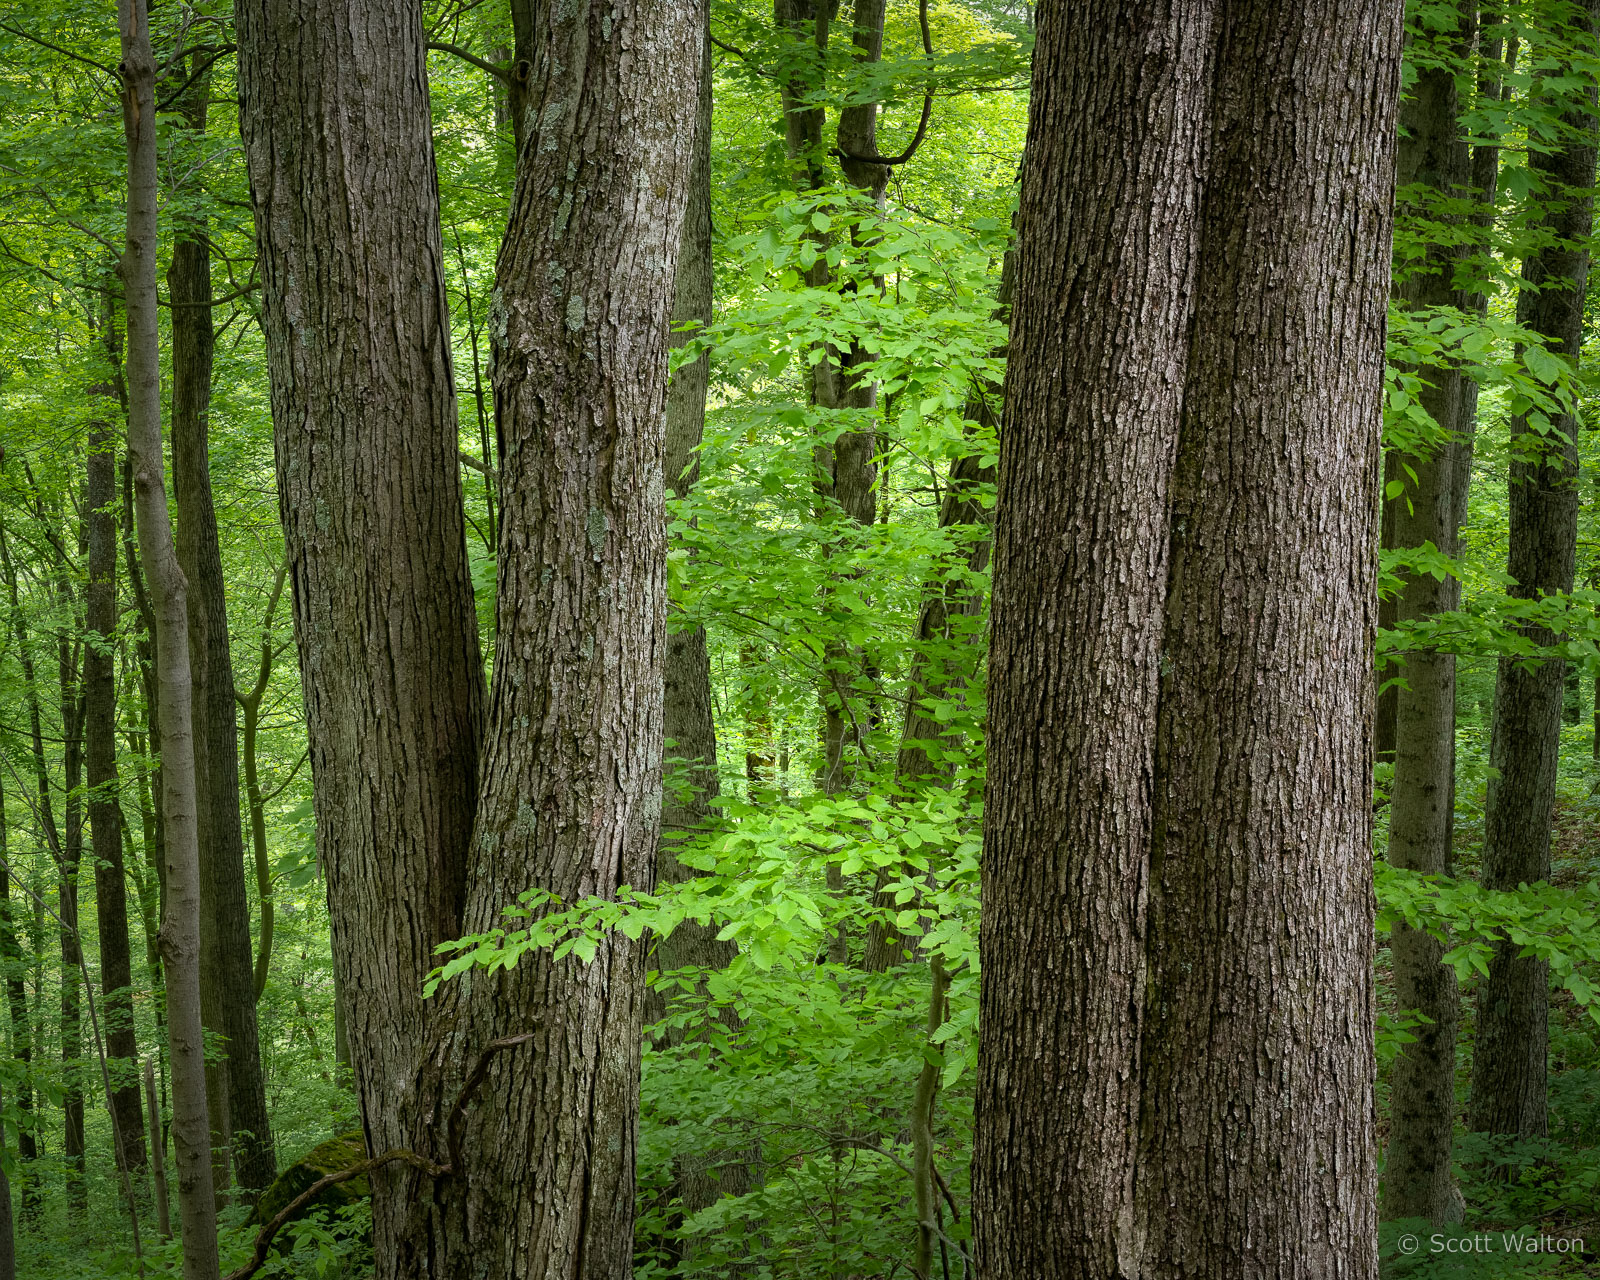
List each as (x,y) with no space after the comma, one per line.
(1417,1175)
(227,978)
(21,1024)
(105,813)
(180,941)
(1180,697)
(1509,1060)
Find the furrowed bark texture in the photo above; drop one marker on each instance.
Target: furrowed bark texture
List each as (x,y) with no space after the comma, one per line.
(227,988)
(1509,1092)
(180,941)
(334,117)
(337,133)
(105,814)
(1417,1181)
(1175,1068)
(570,799)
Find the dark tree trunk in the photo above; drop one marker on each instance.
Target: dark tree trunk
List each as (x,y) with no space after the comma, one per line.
(180,925)
(1181,674)
(21,1025)
(1417,1178)
(227,978)
(1509,1060)
(105,813)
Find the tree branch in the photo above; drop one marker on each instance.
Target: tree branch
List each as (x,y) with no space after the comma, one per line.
(927,105)
(497,71)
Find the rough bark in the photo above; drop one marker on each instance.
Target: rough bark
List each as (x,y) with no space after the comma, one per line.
(1175,1071)
(570,799)
(227,979)
(570,781)
(1509,1060)
(334,101)
(1417,1178)
(180,926)
(105,813)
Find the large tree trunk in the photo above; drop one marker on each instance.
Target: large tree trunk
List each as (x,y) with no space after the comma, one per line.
(227,978)
(358,347)
(570,797)
(1509,1060)
(180,926)
(1180,681)
(1417,1181)
(105,813)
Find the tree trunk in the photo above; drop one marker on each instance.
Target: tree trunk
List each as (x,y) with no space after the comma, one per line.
(250,704)
(227,978)
(105,813)
(21,1024)
(180,928)
(8,1225)
(570,794)
(691,731)
(1181,673)
(1509,1061)
(358,335)
(1417,1179)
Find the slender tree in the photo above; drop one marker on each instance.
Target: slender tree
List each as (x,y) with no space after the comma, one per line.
(105,812)
(1175,1064)
(21,1024)
(227,981)
(1435,160)
(1509,1090)
(180,941)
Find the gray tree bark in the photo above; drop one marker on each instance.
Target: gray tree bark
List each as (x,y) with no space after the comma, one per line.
(1509,1092)
(567,794)
(1175,1065)
(180,926)
(227,979)
(1417,1177)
